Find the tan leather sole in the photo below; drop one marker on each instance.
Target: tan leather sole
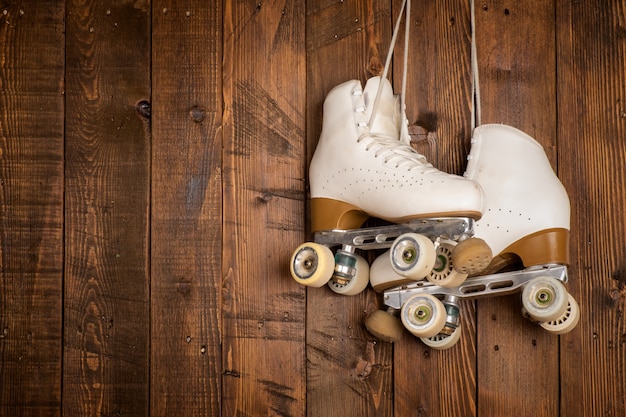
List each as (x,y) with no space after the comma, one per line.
(330,214)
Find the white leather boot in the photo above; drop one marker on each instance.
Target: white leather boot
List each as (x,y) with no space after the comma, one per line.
(364,167)
(527,211)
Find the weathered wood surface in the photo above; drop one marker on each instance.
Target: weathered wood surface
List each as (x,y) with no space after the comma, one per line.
(263,344)
(591,132)
(186,211)
(153,184)
(107,186)
(32,66)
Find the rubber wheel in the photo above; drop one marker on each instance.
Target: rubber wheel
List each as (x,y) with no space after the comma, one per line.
(567,321)
(358,282)
(470,256)
(423,315)
(443,273)
(442,341)
(412,255)
(384,326)
(544,299)
(383,276)
(312,264)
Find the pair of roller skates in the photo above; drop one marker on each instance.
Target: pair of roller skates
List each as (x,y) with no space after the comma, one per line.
(446,237)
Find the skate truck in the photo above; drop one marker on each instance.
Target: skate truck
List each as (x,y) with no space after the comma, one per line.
(422,248)
(525,223)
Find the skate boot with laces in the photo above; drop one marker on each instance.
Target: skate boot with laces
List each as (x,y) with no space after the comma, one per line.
(364,167)
(526,224)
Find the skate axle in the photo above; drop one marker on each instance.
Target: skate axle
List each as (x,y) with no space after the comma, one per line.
(479,287)
(453,228)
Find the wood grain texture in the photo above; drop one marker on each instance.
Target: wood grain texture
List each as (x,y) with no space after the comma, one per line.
(349,370)
(264,106)
(518,363)
(438,100)
(31,207)
(186,230)
(591,98)
(153,185)
(106,320)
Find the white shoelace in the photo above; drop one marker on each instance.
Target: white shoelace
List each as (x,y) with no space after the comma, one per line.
(396,152)
(405,5)
(475,115)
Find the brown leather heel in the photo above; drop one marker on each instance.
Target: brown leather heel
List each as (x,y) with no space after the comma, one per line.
(329,214)
(550,246)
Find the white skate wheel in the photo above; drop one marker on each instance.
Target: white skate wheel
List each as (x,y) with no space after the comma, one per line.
(567,321)
(423,315)
(383,276)
(545,299)
(442,341)
(384,326)
(357,283)
(312,264)
(443,273)
(412,255)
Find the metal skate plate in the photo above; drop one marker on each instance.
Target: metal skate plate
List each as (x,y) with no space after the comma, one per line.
(476,287)
(453,228)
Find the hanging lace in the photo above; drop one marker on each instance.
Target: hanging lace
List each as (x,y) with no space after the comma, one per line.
(475,113)
(394,151)
(475,108)
(405,6)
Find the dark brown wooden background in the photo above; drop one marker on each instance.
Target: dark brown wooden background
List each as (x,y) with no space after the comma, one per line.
(153,164)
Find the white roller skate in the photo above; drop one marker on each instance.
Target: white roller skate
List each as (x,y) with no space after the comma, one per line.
(364,167)
(526,224)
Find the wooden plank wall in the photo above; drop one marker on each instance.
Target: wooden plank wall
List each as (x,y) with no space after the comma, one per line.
(106,314)
(153,184)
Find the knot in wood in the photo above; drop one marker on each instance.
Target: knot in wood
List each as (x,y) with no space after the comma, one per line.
(144,109)
(197,114)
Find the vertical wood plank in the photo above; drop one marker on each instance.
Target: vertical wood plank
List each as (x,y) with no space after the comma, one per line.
(264,143)
(349,371)
(186,209)
(592,150)
(440,80)
(517,361)
(31,207)
(106,321)
(439,101)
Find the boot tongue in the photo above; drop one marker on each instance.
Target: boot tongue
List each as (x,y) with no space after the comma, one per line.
(387,120)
